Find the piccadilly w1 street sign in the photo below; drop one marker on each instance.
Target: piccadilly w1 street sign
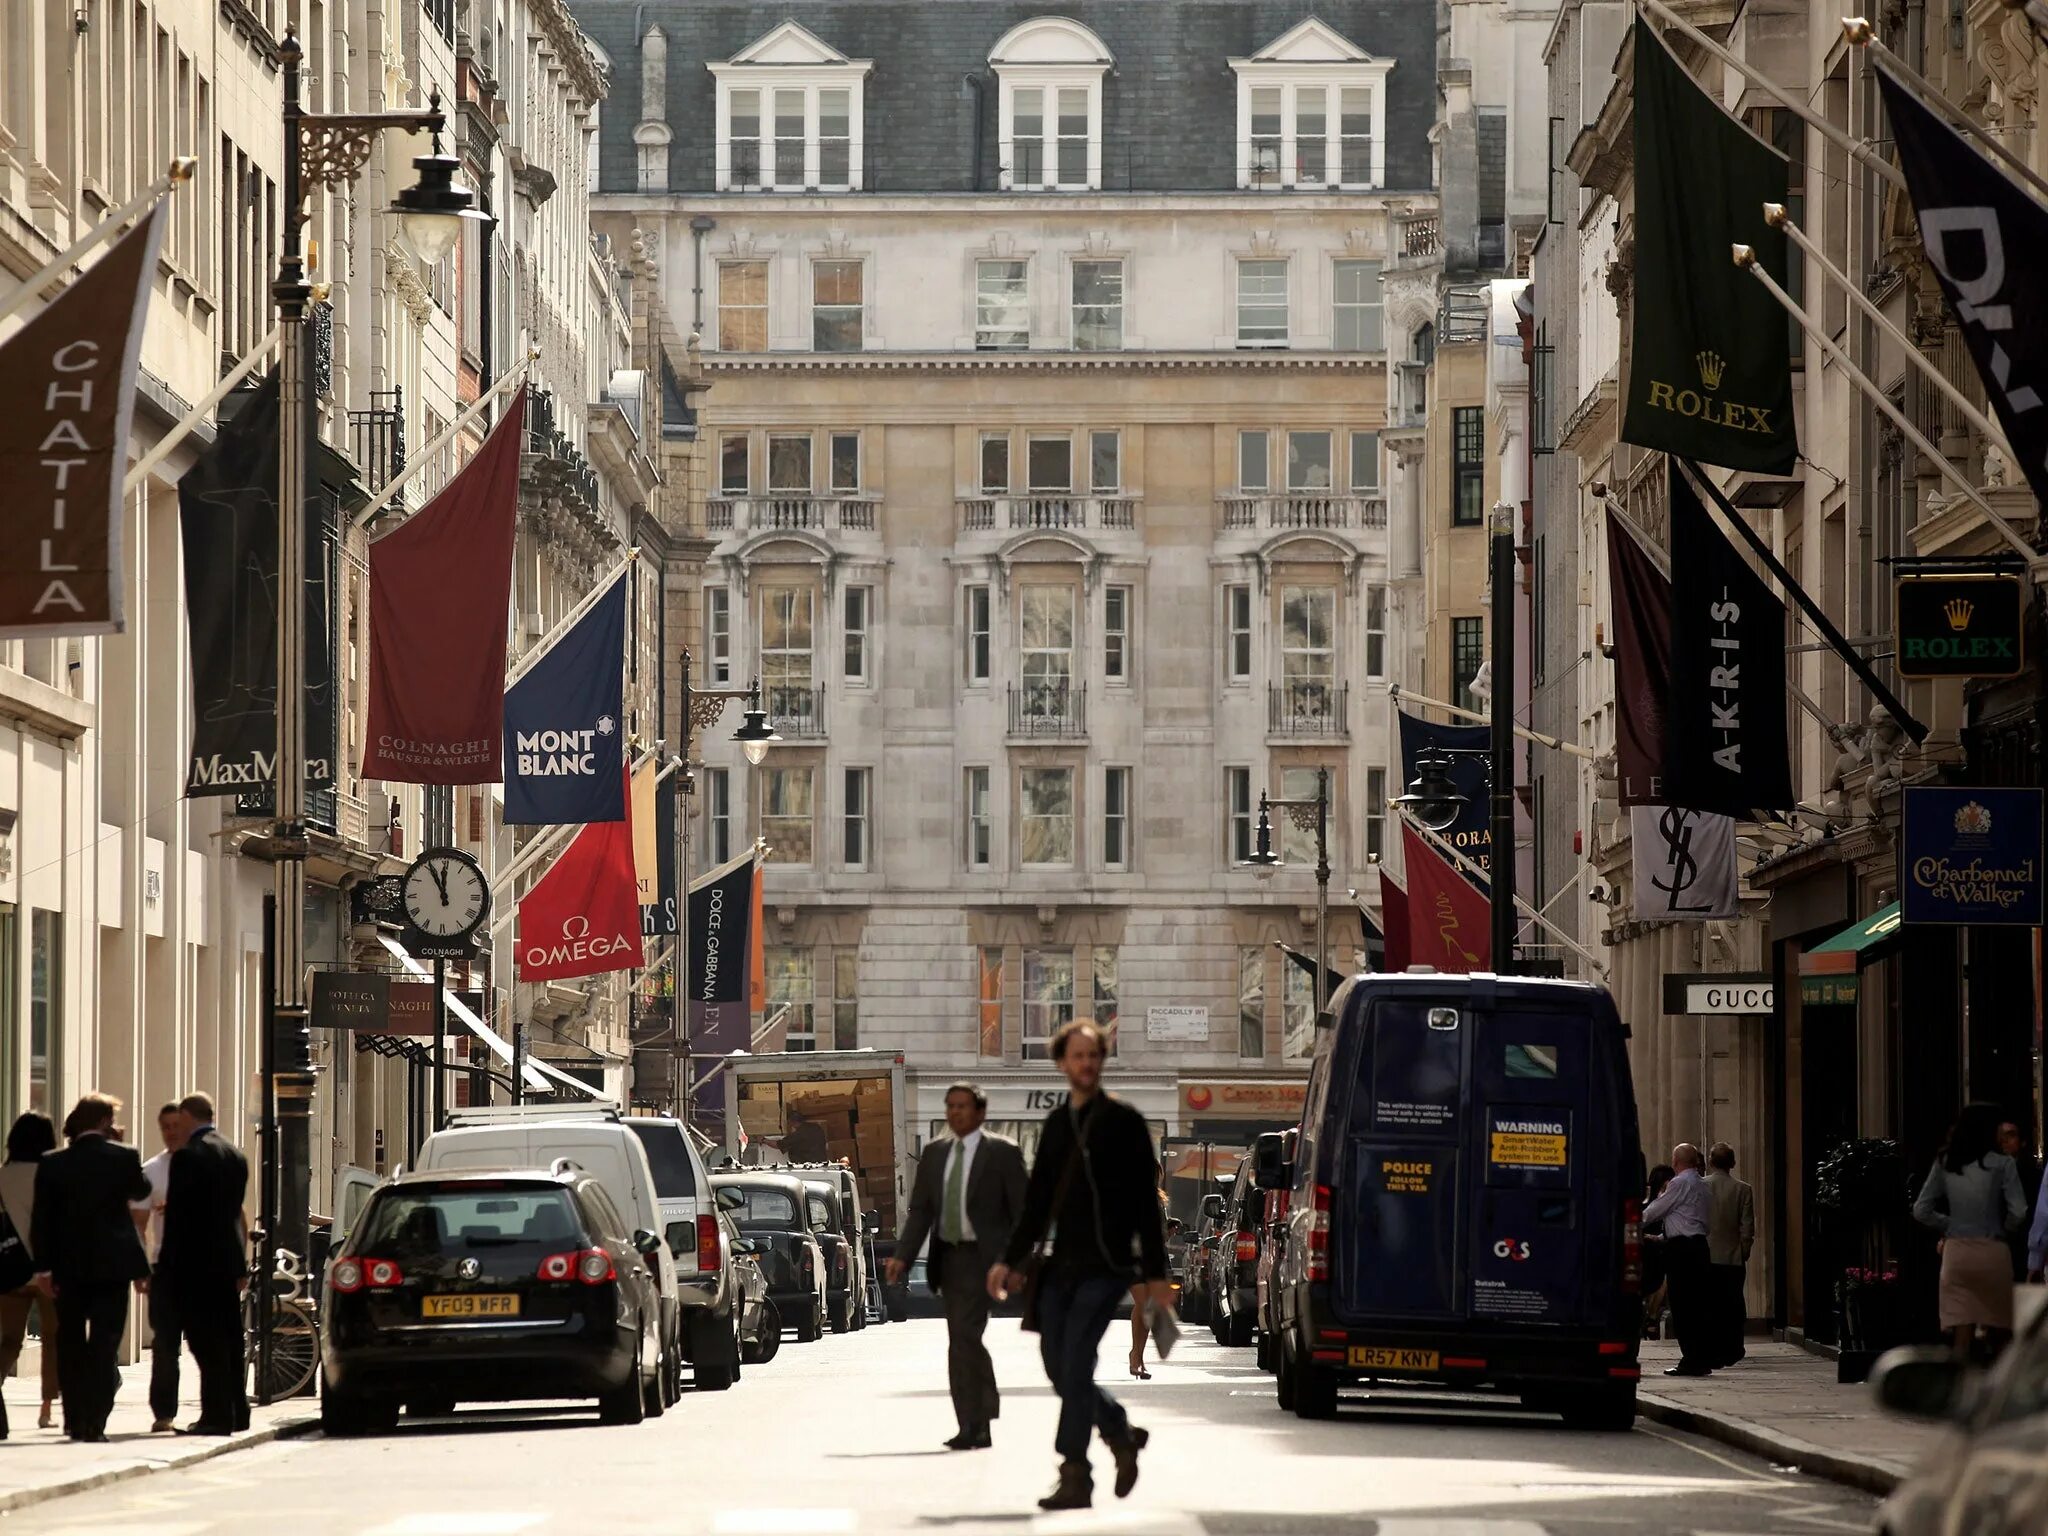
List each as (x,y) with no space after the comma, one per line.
(1970,625)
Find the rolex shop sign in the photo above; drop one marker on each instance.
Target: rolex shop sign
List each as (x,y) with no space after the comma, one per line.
(1971,856)
(1961,626)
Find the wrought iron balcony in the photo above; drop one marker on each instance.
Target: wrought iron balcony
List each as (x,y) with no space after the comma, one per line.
(323,811)
(1308,707)
(1049,709)
(795,710)
(377,439)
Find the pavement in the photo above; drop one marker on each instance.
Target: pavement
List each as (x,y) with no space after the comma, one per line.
(841,1438)
(37,1465)
(1783,1403)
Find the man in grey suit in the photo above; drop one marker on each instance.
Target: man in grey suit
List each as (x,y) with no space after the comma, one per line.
(967,1198)
(1731,1233)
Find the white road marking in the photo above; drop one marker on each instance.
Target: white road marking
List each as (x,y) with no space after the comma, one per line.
(1713,1456)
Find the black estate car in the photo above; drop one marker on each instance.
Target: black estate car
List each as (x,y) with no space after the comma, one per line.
(776,1210)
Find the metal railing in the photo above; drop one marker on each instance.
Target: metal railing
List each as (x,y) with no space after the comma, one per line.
(322,810)
(1058,708)
(1308,707)
(795,709)
(750,514)
(1047,509)
(1422,238)
(1304,509)
(377,439)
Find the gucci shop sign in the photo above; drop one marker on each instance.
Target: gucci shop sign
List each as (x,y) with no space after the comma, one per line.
(1740,992)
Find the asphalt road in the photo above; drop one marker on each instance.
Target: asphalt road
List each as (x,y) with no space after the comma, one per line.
(842,1436)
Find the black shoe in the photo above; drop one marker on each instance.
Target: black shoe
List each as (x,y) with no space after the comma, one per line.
(1075,1489)
(1684,1368)
(202,1427)
(972,1437)
(1126,1453)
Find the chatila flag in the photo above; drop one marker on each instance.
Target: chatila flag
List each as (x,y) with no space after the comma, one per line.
(1472,833)
(1449,924)
(1641,595)
(582,918)
(440,588)
(1984,237)
(564,725)
(1710,359)
(1726,745)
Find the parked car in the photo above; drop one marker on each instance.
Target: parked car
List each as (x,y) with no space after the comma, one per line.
(596,1141)
(710,1324)
(1466,1198)
(1272,1242)
(1987,1474)
(760,1322)
(845,1244)
(461,1286)
(1195,1294)
(774,1210)
(1234,1262)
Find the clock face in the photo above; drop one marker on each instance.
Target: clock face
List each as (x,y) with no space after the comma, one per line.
(445,895)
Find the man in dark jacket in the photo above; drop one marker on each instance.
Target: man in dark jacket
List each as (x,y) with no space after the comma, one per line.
(203,1260)
(87,1252)
(968,1196)
(1096,1184)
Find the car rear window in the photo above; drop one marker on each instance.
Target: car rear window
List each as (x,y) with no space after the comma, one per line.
(424,1223)
(675,1174)
(764,1207)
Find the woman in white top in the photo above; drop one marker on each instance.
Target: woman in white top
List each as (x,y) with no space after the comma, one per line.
(1972,1197)
(31,1136)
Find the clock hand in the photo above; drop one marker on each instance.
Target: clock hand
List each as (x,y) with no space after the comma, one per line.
(440,873)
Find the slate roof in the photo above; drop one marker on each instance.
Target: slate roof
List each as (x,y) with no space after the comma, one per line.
(1169,104)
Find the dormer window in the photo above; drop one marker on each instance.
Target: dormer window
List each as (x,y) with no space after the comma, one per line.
(1050,106)
(790,116)
(1311,113)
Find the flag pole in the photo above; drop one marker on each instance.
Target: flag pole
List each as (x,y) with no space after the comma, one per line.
(550,842)
(1856,150)
(213,397)
(1861,34)
(1745,258)
(1556,743)
(1776,215)
(569,621)
(178,172)
(447,435)
(1534,916)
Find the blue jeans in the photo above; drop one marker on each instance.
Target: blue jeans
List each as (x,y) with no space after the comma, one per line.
(1074,1311)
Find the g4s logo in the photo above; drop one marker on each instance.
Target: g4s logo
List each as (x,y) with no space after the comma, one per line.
(1511,1248)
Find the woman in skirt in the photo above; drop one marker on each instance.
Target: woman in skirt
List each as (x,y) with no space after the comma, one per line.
(1972,1197)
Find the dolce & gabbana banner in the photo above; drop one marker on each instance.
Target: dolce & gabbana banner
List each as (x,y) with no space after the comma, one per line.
(67,394)
(1710,361)
(722,933)
(564,738)
(1970,856)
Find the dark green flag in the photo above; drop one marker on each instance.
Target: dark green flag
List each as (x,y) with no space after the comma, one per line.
(1710,367)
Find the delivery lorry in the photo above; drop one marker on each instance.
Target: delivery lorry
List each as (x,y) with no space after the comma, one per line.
(847,1107)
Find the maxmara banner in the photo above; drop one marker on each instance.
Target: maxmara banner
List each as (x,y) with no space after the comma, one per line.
(1970,856)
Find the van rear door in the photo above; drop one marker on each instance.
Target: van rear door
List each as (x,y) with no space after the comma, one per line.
(1532,1141)
(1398,1234)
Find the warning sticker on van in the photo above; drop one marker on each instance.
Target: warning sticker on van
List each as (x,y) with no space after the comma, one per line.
(1521,1141)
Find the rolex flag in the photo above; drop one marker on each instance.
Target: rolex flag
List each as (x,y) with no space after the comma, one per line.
(67,393)
(1726,747)
(1684,865)
(1641,595)
(582,917)
(1984,238)
(1449,926)
(564,740)
(440,588)
(1710,362)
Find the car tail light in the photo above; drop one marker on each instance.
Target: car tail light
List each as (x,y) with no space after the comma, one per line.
(382,1274)
(1319,1236)
(1632,1246)
(707,1242)
(557,1266)
(346,1276)
(1247,1247)
(594,1267)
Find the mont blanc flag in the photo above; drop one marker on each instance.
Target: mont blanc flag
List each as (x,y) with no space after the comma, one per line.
(1984,237)
(67,391)
(1684,865)
(564,743)
(1710,360)
(722,932)
(1642,665)
(1725,741)
(1449,926)
(440,586)
(583,917)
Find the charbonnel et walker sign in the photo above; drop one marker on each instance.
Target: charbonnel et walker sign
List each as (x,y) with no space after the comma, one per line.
(1970,856)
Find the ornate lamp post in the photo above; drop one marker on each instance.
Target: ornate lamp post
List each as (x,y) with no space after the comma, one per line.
(1306,815)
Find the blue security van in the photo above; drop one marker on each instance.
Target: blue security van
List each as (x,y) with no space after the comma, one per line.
(1465,1202)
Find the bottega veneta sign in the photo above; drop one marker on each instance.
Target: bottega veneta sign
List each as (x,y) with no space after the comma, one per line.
(1961,626)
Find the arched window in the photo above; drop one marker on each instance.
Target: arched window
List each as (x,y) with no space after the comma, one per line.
(1050,108)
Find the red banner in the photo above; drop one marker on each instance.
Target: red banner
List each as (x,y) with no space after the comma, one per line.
(583,918)
(1393,923)
(1449,926)
(440,588)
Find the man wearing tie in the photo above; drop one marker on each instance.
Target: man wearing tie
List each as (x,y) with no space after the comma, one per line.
(204,1261)
(967,1197)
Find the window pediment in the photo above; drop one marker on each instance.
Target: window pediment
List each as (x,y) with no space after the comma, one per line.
(1309,42)
(1311,113)
(1050,40)
(793,44)
(790,115)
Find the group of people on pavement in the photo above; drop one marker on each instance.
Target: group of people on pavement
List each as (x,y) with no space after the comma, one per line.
(1094,1189)
(1700,1226)
(96,1221)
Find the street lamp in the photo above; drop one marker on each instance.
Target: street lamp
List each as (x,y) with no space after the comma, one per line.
(1307,814)
(1433,796)
(701,709)
(321,150)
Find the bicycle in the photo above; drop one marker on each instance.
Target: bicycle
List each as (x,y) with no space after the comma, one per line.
(294,1355)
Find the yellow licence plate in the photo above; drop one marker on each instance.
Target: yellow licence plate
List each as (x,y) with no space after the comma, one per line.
(1366,1357)
(482,1305)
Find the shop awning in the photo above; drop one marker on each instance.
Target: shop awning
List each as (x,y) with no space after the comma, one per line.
(1828,972)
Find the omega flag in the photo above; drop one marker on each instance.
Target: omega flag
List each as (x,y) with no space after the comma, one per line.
(1710,359)
(583,917)
(1984,238)
(440,586)
(722,932)
(1641,595)
(564,737)
(67,391)
(1725,740)
(1449,926)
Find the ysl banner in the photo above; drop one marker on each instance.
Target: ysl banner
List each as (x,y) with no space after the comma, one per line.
(1684,865)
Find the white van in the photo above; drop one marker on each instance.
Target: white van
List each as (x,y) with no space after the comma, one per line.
(597,1141)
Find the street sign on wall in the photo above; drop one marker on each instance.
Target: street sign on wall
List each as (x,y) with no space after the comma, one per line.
(1177,1021)
(1971,625)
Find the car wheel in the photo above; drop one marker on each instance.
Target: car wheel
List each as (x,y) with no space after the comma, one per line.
(1283,1372)
(765,1347)
(1611,1408)
(1315,1391)
(432,1406)
(342,1413)
(654,1393)
(1239,1332)
(811,1327)
(1262,1351)
(625,1403)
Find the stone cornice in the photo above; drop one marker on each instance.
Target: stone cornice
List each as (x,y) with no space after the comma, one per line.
(1042,362)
